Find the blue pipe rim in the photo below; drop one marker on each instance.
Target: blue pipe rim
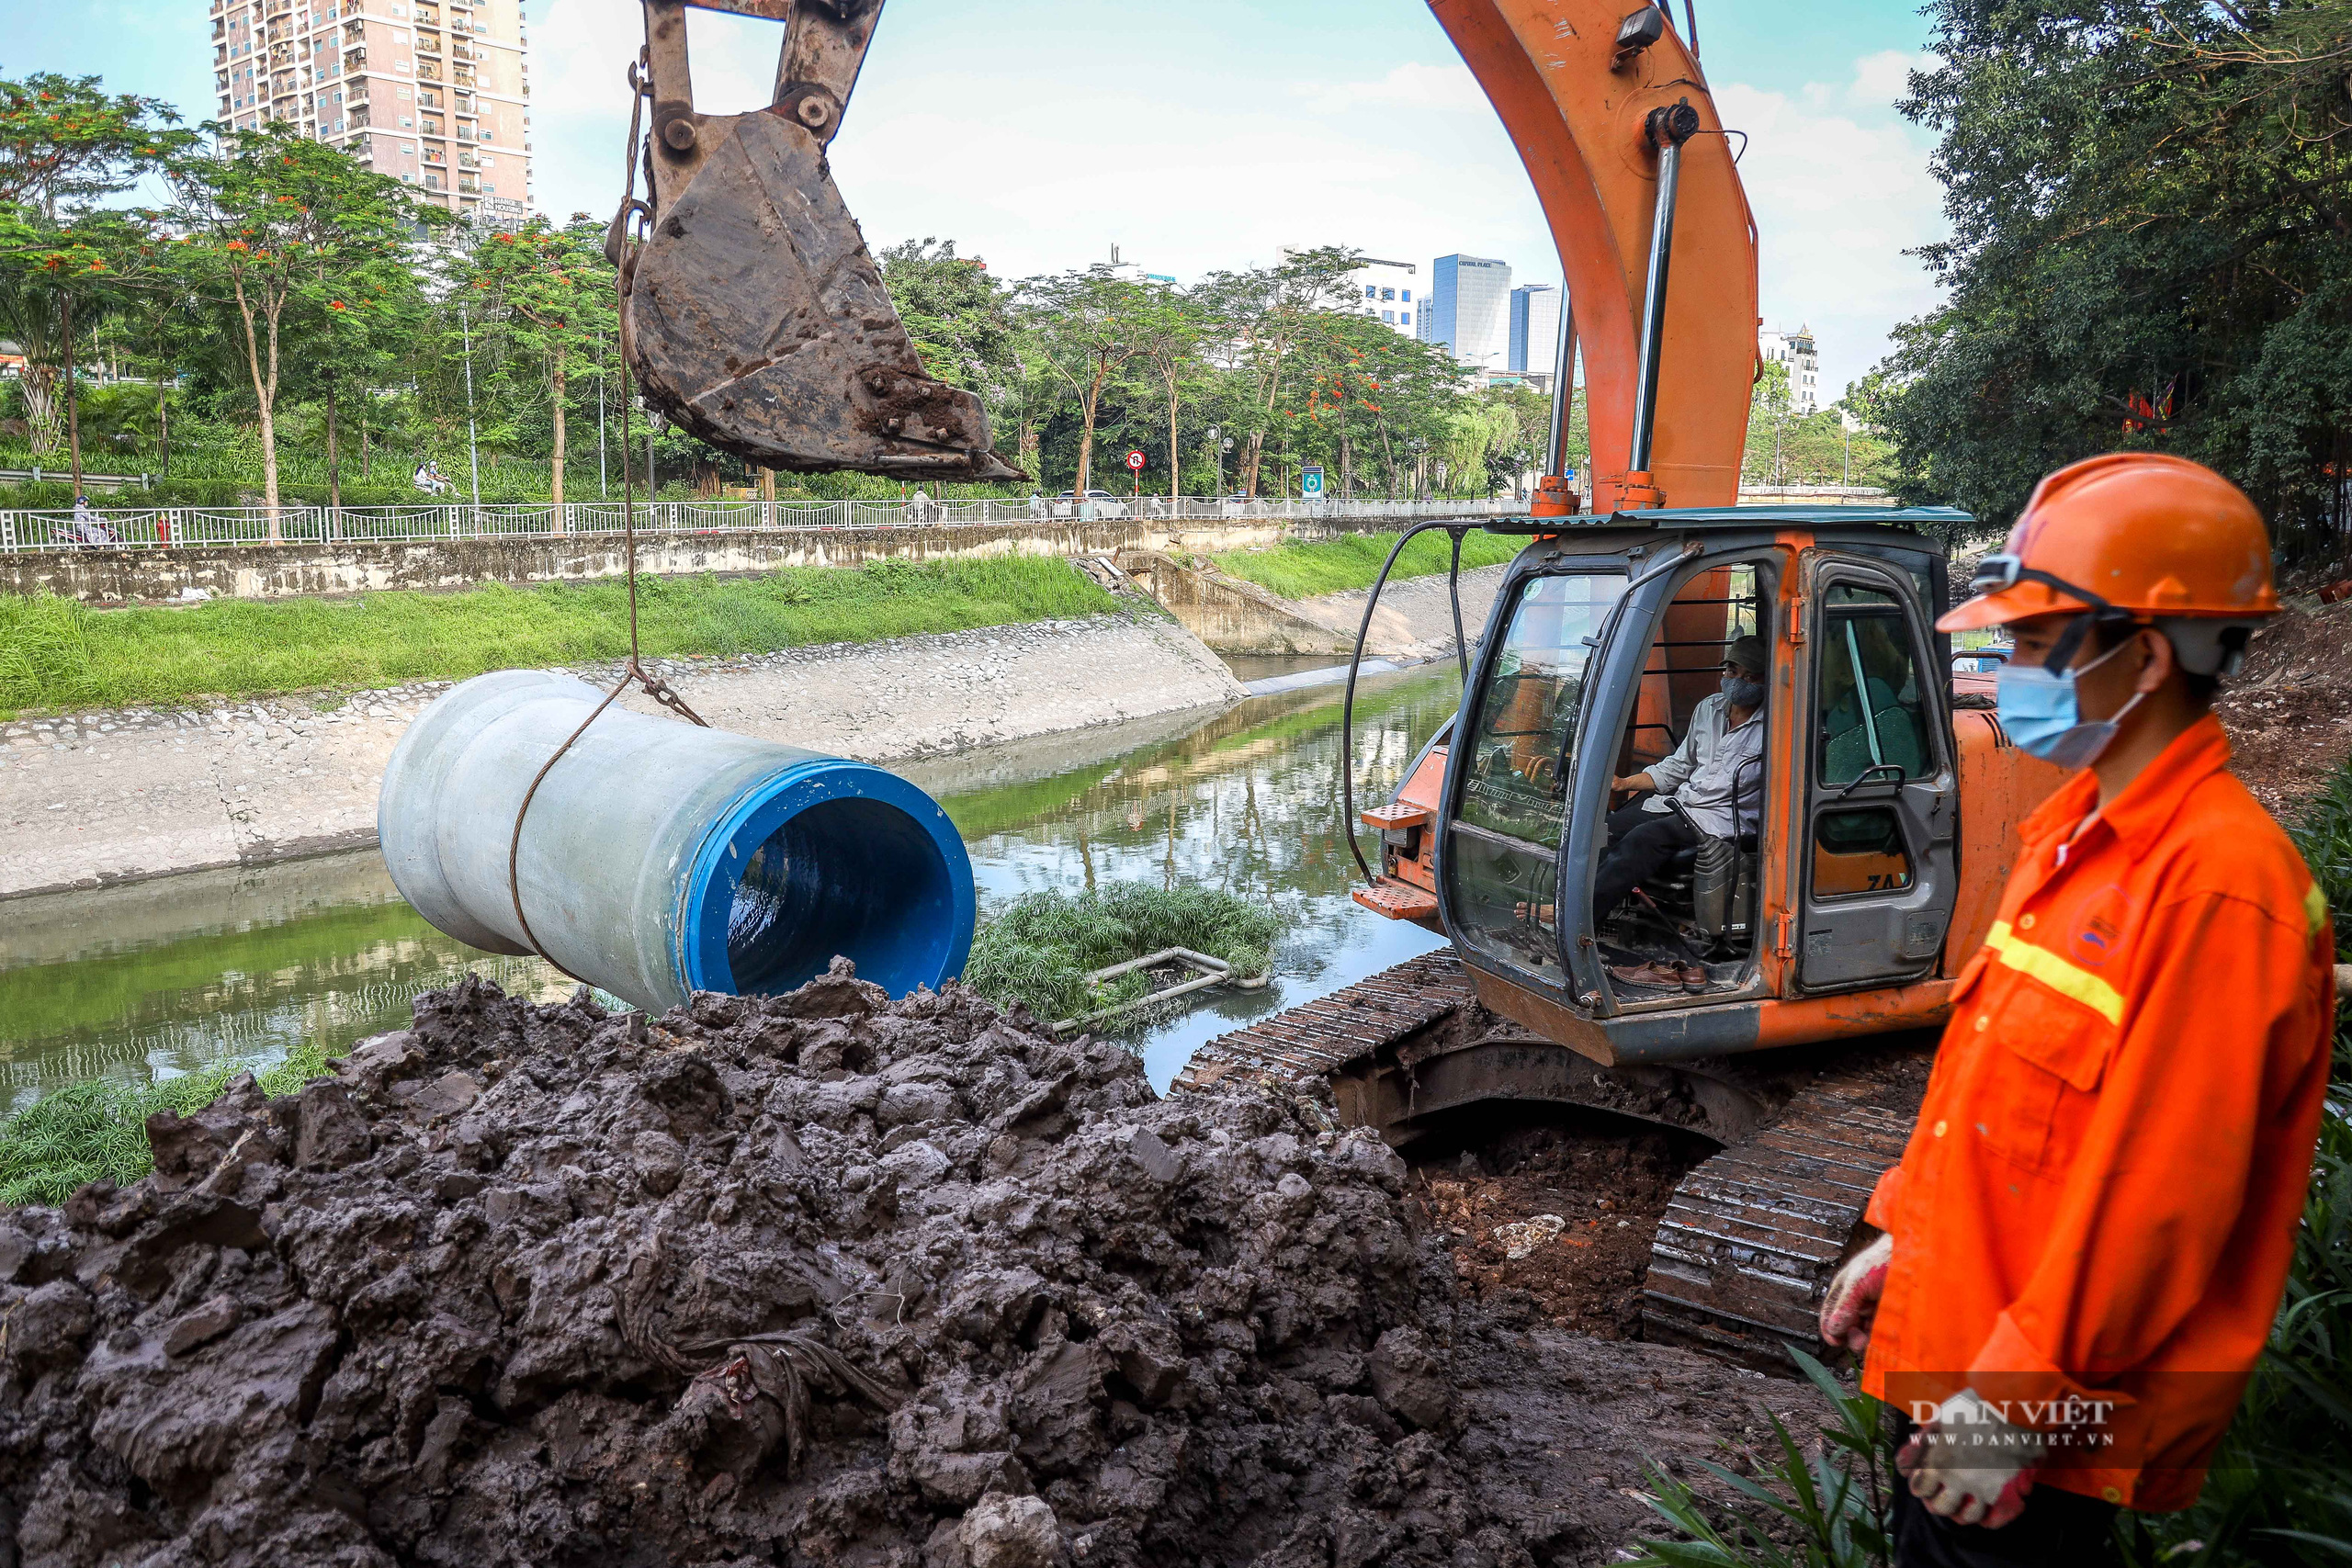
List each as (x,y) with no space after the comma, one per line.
(707,896)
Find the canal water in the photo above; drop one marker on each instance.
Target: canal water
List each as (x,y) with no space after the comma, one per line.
(171,976)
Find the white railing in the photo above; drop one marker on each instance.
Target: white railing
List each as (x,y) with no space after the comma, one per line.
(211,528)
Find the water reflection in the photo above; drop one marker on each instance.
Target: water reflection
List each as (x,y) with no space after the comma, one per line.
(169,976)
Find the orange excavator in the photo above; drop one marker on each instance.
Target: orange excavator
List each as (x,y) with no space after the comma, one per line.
(1811,939)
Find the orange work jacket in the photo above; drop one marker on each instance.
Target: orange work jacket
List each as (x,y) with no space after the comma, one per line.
(2100,1200)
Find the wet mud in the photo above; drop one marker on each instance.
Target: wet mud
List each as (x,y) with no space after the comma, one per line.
(821,1279)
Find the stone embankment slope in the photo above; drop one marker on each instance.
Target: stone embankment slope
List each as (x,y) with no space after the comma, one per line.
(1415,619)
(120,796)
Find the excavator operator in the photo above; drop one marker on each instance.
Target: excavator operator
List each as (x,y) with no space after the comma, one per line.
(1711,784)
(2090,1232)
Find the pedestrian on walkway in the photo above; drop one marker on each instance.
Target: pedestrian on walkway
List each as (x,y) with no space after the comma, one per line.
(2088,1235)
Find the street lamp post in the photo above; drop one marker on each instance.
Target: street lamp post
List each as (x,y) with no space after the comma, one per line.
(473,443)
(1214,436)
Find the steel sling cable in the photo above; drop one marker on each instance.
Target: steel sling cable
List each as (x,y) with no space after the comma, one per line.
(634,671)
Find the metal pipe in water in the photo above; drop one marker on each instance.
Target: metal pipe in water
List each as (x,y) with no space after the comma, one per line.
(1668,128)
(659,859)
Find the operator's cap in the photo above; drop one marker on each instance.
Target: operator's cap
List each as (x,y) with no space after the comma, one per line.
(2139,535)
(1748,652)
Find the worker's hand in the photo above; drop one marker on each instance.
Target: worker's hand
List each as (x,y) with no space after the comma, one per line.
(1852,1299)
(1968,1465)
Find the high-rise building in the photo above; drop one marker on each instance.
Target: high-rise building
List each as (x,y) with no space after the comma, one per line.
(435,92)
(1802,357)
(1468,311)
(1384,290)
(1536,330)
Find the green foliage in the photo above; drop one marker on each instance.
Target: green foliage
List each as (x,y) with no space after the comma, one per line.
(1039,948)
(2149,201)
(1353,561)
(57,653)
(1829,1512)
(99,1129)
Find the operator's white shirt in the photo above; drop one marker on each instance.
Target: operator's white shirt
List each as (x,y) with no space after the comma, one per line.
(1714,763)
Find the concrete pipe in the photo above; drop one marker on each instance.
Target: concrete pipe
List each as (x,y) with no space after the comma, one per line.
(660,859)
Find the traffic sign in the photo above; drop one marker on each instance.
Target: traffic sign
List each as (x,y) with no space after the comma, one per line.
(1310,481)
(1135,461)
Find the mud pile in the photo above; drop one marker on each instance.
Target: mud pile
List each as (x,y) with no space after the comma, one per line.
(815,1278)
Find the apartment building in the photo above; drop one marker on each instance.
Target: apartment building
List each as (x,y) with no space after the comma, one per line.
(435,92)
(1386,289)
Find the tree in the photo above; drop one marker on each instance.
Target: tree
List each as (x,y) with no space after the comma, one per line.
(1269,312)
(64,144)
(962,322)
(1169,330)
(285,225)
(2151,204)
(551,292)
(1082,326)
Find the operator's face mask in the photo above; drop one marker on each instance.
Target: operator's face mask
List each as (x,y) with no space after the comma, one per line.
(2038,710)
(1743,690)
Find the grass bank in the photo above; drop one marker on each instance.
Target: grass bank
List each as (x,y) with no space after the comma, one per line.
(1038,948)
(99,1129)
(56,653)
(1353,561)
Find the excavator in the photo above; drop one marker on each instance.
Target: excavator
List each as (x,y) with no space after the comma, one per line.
(1812,948)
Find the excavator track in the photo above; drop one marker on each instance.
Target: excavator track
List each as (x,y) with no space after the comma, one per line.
(1746,1246)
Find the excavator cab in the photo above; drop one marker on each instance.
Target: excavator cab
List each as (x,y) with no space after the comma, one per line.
(1833,872)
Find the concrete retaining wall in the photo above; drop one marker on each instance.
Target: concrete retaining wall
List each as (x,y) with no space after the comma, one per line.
(269,571)
(1228,614)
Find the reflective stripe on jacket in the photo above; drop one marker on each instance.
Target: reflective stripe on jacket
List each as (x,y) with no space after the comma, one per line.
(2101,1196)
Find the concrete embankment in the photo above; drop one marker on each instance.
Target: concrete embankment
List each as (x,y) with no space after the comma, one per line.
(1415,619)
(125,576)
(120,796)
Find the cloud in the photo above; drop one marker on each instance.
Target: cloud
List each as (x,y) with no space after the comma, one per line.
(1038,151)
(1840,194)
(1446,88)
(1883,79)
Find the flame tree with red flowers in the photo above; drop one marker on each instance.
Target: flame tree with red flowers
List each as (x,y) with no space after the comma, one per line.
(548,295)
(286,229)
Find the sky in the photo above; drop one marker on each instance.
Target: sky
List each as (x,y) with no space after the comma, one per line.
(1207,136)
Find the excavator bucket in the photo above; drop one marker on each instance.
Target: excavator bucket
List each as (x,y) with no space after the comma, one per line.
(755,318)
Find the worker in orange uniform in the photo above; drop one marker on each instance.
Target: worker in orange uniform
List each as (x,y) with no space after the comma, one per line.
(2088,1233)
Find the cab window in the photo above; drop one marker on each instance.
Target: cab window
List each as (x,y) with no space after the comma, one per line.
(1873,707)
(1505,840)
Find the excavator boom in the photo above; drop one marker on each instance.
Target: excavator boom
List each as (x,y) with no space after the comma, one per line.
(754,316)
(1594,92)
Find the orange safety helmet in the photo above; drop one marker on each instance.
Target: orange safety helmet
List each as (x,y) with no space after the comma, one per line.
(2136,537)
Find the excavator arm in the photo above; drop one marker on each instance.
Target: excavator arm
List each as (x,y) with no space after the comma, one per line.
(1603,97)
(758,320)
(752,314)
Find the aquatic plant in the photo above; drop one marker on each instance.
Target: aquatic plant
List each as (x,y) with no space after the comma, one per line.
(1039,948)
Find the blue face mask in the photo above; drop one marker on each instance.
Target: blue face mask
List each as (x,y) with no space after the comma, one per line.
(1743,691)
(2038,710)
